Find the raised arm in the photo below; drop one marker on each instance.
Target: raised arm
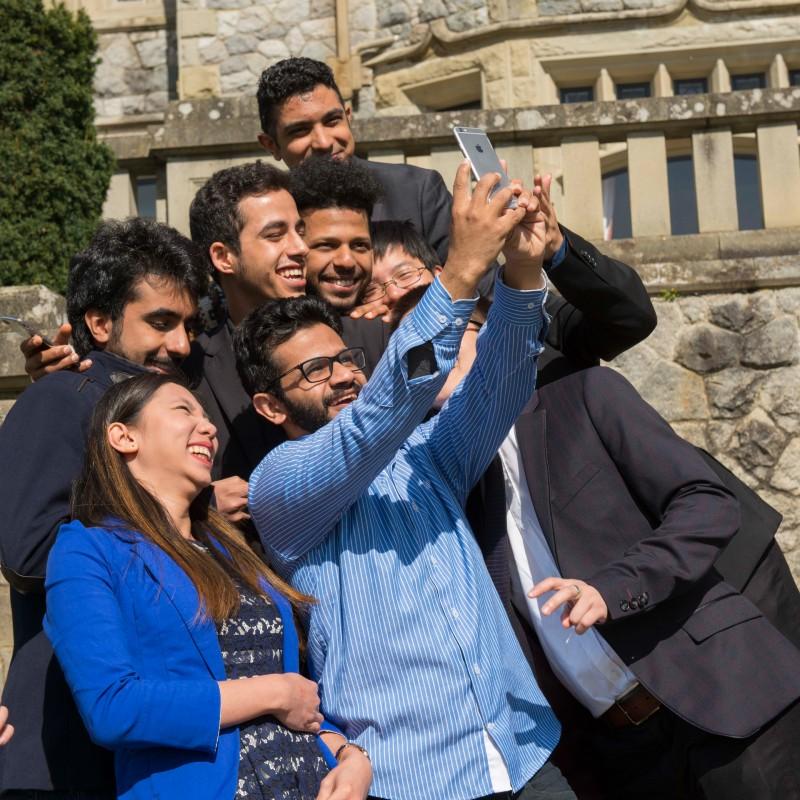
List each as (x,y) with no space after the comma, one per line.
(604,308)
(463,438)
(300,490)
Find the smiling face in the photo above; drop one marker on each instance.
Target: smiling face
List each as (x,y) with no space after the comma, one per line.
(339,261)
(270,263)
(315,123)
(155,326)
(171,445)
(305,407)
(399,267)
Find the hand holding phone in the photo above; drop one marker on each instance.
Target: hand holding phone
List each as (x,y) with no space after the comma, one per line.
(24,328)
(483,159)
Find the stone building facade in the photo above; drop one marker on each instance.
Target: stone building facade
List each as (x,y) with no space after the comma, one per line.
(670,127)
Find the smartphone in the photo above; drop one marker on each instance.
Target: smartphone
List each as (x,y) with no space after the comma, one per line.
(478,150)
(25,328)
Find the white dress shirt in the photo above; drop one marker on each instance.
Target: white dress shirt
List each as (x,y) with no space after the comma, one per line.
(585,664)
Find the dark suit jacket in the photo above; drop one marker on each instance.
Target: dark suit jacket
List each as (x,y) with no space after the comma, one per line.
(632,509)
(245,437)
(42,443)
(417,195)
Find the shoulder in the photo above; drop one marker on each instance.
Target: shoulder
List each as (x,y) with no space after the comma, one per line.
(403,173)
(61,395)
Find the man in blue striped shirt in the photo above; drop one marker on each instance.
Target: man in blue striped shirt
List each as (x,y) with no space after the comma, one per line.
(362,508)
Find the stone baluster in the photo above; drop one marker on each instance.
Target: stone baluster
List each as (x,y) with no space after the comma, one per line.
(779,169)
(714,180)
(647,173)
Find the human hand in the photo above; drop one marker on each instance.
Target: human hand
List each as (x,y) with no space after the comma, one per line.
(541,190)
(350,780)
(583,604)
(296,703)
(524,250)
(6,729)
(479,229)
(230,495)
(41,360)
(377,308)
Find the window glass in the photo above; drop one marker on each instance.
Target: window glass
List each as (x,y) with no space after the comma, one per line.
(146,197)
(682,200)
(578,94)
(741,83)
(691,86)
(748,193)
(631,91)
(794,77)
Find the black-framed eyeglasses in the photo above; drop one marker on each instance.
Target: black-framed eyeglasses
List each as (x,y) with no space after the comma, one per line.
(403,280)
(319,369)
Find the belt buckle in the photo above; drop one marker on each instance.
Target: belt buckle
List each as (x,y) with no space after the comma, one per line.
(618,703)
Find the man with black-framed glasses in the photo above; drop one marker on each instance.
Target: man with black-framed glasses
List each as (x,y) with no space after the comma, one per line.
(363,507)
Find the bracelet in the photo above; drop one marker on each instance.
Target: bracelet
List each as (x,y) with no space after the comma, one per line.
(357,747)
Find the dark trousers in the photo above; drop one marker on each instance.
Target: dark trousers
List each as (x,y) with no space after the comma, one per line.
(665,758)
(547,784)
(44,794)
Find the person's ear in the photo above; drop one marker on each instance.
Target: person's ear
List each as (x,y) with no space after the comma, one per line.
(123,439)
(223,258)
(270,145)
(270,407)
(348,112)
(437,271)
(100,325)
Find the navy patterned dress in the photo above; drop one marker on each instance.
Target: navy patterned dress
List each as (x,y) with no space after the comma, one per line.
(275,763)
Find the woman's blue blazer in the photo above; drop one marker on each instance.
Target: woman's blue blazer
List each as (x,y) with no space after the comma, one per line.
(122,617)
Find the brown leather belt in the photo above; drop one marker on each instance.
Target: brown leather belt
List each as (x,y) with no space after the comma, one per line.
(632,708)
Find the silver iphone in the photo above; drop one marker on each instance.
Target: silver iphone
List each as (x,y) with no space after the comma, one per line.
(478,150)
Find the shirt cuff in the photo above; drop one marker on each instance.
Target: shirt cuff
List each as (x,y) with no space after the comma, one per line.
(557,258)
(437,311)
(520,306)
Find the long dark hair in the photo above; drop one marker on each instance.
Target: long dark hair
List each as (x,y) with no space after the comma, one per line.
(107,494)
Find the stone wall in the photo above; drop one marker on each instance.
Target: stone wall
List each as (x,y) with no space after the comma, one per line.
(723,370)
(132,77)
(226,44)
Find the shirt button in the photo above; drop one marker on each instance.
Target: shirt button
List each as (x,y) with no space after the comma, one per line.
(476,668)
(434,562)
(458,321)
(415,506)
(490,726)
(530,305)
(454,612)
(442,318)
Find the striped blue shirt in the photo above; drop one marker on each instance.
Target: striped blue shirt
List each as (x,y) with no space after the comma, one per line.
(413,651)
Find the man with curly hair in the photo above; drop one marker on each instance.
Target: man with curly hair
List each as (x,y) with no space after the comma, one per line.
(303,113)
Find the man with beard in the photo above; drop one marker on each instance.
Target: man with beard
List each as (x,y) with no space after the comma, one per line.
(131,300)
(411,646)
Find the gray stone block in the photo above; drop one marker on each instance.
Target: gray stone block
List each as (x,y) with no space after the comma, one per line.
(240,44)
(760,441)
(706,348)
(773,345)
(394,13)
(732,392)
(555,8)
(153,52)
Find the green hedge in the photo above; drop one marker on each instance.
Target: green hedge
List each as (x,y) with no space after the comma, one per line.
(54,173)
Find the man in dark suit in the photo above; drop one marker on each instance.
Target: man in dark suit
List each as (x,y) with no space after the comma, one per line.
(692,691)
(246,222)
(303,114)
(131,299)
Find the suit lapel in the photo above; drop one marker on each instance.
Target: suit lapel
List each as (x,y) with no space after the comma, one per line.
(531,429)
(180,592)
(224,382)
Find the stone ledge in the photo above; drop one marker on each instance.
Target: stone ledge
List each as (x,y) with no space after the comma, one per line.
(230,124)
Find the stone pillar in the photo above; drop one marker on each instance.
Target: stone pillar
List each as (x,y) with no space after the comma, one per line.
(647,174)
(662,82)
(583,187)
(779,168)
(196,26)
(778,73)
(445,160)
(520,162)
(604,88)
(720,78)
(714,180)
(120,199)
(389,156)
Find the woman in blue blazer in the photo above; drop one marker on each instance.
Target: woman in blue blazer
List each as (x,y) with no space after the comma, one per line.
(177,642)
